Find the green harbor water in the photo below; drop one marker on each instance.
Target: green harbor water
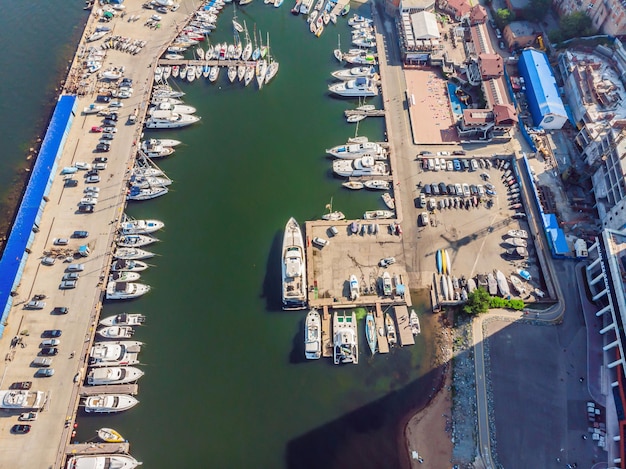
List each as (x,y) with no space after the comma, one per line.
(226,384)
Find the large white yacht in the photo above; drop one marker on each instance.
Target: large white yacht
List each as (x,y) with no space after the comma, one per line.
(171,120)
(174,107)
(293,267)
(113,375)
(365,166)
(345,339)
(352,151)
(140,226)
(313,335)
(124,352)
(346,74)
(21,400)
(125,290)
(358,87)
(102,461)
(109,403)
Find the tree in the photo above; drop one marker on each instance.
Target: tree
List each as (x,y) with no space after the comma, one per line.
(477,302)
(576,24)
(536,10)
(504,17)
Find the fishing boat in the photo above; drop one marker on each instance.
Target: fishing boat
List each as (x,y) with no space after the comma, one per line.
(354,288)
(503,285)
(354,185)
(108,435)
(386,280)
(517,234)
(116,332)
(377,184)
(312,335)
(390,329)
(117,461)
(414,322)
(370,332)
(345,338)
(108,375)
(293,267)
(124,319)
(439,261)
(518,286)
(120,353)
(378,214)
(492,284)
(109,403)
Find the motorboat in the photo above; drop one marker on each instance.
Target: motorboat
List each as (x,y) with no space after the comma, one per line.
(360,59)
(358,87)
(120,353)
(517,242)
(168,106)
(124,276)
(354,288)
(113,375)
(122,265)
(166,91)
(354,118)
(108,435)
(524,274)
(140,226)
(145,182)
(312,335)
(377,184)
(158,151)
(132,254)
(109,403)
(503,285)
(414,323)
(354,185)
(21,399)
(386,280)
(351,151)
(169,120)
(124,319)
(518,285)
(346,74)
(116,332)
(390,329)
(97,35)
(117,461)
(335,215)
(146,193)
(492,284)
(125,290)
(388,200)
(378,214)
(517,252)
(293,267)
(517,234)
(370,332)
(358,19)
(93,109)
(345,338)
(135,241)
(163,142)
(365,166)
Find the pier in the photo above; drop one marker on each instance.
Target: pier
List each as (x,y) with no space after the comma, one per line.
(365,112)
(97,448)
(132,389)
(379,317)
(405,335)
(327,333)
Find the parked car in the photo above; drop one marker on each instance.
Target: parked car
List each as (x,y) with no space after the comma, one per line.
(386,261)
(60,241)
(320,242)
(20,429)
(70,183)
(50,343)
(48,260)
(422,200)
(443,189)
(44,372)
(42,362)
(473,165)
(457,165)
(27,416)
(71,276)
(424,219)
(100,166)
(82,166)
(449,166)
(103,146)
(333,231)
(35,304)
(92,180)
(61,310)
(67,284)
(80,234)
(466,190)
(75,268)
(107,136)
(86,208)
(459,152)
(52,333)
(100,159)
(21,385)
(96,129)
(48,351)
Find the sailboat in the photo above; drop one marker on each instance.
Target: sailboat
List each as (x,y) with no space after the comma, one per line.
(236,24)
(247,50)
(332,216)
(272,68)
(256,53)
(337,52)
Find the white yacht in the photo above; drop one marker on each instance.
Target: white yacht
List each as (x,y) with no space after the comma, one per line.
(124,276)
(377,184)
(166,91)
(141,226)
(122,265)
(378,214)
(293,267)
(345,338)
(135,241)
(132,254)
(163,142)
(118,353)
(313,335)
(351,151)
(125,290)
(116,332)
(365,166)
(167,106)
(146,193)
(21,400)
(124,319)
(102,461)
(158,151)
(109,403)
(354,288)
(346,74)
(169,120)
(358,87)
(113,375)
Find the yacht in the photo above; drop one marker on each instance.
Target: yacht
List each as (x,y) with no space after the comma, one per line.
(113,375)
(312,335)
(146,193)
(125,290)
(346,74)
(132,254)
(378,214)
(293,267)
(118,353)
(140,226)
(377,184)
(345,338)
(370,332)
(158,151)
(360,59)
(365,166)
(354,288)
(166,106)
(169,120)
(358,87)
(135,241)
(122,265)
(124,319)
(109,403)
(102,461)
(353,151)
(124,276)
(116,332)
(21,400)
(163,142)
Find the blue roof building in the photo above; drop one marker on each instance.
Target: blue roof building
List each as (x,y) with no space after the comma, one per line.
(544,101)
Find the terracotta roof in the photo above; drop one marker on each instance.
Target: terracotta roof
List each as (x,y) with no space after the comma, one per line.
(478,14)
(477,116)
(504,113)
(461,7)
(491,65)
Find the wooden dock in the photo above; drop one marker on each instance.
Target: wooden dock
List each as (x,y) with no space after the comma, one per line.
(379,317)
(327,333)
(405,336)
(363,112)
(131,389)
(97,448)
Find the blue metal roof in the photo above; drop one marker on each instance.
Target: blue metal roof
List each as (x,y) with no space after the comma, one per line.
(541,91)
(29,212)
(556,236)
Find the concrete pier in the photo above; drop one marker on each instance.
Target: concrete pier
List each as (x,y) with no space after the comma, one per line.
(97,448)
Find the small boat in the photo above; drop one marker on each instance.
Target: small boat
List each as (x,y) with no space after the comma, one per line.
(471,285)
(450,288)
(388,200)
(334,216)
(108,435)
(124,319)
(345,338)
(354,118)
(370,332)
(492,284)
(125,290)
(93,109)
(135,241)
(517,242)
(392,338)
(232,73)
(414,322)
(518,286)
(439,260)
(124,276)
(503,285)
(517,234)
(109,403)
(116,332)
(140,226)
(312,335)
(377,214)
(122,265)
(214,73)
(524,274)
(117,461)
(354,185)
(386,278)
(132,254)
(444,287)
(448,261)
(377,184)
(354,288)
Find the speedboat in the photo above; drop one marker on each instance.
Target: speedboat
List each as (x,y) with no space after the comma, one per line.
(312,335)
(132,254)
(365,166)
(352,151)
(135,241)
(118,353)
(388,200)
(354,185)
(414,322)
(352,73)
(377,184)
(345,338)
(124,276)
(124,319)
(518,286)
(146,193)
(517,234)
(370,332)
(117,461)
(354,288)
(167,106)
(386,278)
(390,329)
(358,87)
(125,290)
(122,265)
(113,375)
(109,403)
(169,120)
(108,435)
(360,59)
(140,226)
(293,267)
(378,214)
(116,332)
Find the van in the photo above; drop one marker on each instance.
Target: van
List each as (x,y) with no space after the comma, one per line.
(320,242)
(42,362)
(333,231)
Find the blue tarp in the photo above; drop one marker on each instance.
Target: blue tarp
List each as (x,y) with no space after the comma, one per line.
(31,207)
(556,236)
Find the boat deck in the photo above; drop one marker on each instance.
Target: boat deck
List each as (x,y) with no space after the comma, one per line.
(132,389)
(97,448)
(379,317)
(405,335)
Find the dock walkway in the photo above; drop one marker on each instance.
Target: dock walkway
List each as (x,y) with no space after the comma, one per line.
(364,112)
(405,335)
(327,333)
(379,317)
(132,389)
(97,448)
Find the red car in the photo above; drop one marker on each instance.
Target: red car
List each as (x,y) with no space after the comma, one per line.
(96,129)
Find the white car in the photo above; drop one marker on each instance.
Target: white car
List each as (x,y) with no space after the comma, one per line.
(50,343)
(60,241)
(384,262)
(424,219)
(83,166)
(88,201)
(91,190)
(466,190)
(92,179)
(320,242)
(449,166)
